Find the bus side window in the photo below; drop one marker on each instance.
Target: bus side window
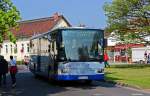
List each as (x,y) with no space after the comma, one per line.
(49,46)
(31,43)
(53,46)
(105,43)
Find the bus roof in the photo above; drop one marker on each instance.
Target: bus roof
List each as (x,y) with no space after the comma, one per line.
(64,28)
(85,28)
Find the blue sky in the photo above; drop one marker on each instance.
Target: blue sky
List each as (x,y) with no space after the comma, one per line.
(88,12)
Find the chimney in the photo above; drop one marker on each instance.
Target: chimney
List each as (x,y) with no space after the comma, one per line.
(55,16)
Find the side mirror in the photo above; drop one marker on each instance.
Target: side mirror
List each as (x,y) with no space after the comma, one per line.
(105,43)
(49,48)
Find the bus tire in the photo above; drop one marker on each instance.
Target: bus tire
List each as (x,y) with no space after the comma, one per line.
(88,81)
(36,76)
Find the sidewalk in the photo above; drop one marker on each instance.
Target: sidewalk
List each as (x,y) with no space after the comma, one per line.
(22,67)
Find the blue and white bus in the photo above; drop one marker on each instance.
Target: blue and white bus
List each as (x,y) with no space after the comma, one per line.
(68,54)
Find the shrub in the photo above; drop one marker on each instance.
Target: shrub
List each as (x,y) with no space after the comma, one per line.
(130,66)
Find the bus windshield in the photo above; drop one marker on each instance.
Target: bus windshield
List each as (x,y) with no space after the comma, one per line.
(81,45)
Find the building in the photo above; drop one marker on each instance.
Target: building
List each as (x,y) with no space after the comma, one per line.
(121,52)
(26,30)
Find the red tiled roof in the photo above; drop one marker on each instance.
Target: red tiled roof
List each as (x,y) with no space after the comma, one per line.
(126,46)
(32,27)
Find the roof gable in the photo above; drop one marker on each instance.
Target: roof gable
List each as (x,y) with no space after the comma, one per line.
(37,26)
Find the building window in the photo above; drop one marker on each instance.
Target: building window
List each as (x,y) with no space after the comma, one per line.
(11,48)
(15,49)
(22,48)
(28,48)
(6,48)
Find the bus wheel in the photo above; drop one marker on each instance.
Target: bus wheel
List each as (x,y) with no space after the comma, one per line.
(88,81)
(36,76)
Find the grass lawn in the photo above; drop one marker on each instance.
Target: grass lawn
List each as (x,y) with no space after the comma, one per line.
(138,76)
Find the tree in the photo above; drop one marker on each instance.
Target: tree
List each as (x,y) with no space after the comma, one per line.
(9,16)
(128,19)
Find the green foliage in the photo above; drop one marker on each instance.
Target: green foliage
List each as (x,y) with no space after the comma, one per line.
(129,19)
(129,52)
(9,16)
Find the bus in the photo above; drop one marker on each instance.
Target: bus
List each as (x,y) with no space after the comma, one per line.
(68,54)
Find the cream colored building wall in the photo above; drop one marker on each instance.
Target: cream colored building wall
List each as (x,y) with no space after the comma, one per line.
(60,24)
(11,47)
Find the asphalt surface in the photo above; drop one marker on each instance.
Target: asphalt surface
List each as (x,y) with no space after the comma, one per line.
(27,85)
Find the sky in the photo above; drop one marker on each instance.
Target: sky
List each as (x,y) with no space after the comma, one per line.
(87,12)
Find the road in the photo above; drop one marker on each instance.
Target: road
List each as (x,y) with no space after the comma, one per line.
(27,85)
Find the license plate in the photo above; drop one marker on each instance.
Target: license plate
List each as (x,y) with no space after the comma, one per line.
(83,77)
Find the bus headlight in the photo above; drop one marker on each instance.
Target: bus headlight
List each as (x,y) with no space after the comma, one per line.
(65,70)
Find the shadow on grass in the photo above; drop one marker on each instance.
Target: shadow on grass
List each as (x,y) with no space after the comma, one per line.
(110,79)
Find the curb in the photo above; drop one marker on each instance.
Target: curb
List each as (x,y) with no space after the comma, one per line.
(120,84)
(21,67)
(124,85)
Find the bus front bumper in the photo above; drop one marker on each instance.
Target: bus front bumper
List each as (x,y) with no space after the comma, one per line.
(80,77)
